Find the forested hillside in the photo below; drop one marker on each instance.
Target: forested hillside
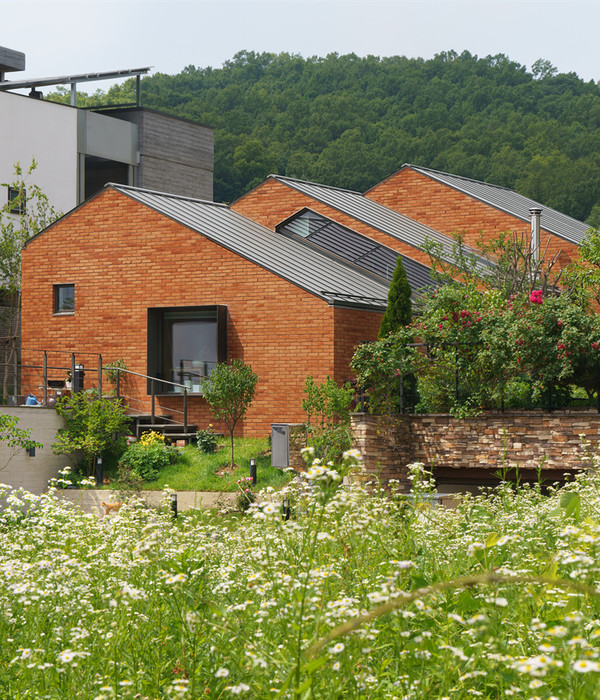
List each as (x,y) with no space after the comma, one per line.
(350,121)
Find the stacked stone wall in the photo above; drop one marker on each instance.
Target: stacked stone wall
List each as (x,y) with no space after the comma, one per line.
(471,451)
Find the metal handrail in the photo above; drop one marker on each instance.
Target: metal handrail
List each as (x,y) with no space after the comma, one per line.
(103,368)
(147,377)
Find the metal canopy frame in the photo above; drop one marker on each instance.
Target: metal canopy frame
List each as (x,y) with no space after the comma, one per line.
(79,78)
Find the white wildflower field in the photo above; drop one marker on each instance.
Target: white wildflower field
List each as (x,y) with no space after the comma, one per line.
(346,592)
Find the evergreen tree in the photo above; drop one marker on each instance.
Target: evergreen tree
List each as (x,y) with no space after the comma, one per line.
(399,307)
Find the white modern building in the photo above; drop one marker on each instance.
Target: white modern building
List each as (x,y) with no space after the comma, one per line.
(79,150)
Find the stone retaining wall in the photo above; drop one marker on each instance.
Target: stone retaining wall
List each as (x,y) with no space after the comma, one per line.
(471,450)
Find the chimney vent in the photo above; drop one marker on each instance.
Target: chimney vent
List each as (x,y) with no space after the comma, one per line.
(534,241)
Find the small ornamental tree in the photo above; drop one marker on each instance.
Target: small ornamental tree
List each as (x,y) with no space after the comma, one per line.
(13,438)
(398,313)
(90,424)
(229,391)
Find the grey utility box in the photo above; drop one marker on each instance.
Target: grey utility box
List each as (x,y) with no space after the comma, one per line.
(280,444)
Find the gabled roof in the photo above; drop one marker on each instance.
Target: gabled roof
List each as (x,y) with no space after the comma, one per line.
(371,213)
(330,279)
(510,202)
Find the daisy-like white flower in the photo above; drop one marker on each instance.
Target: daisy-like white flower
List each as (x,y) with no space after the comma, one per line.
(66,656)
(337,648)
(222,673)
(475,547)
(238,689)
(584,666)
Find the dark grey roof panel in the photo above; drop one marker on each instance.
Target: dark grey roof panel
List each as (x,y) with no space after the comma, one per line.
(286,257)
(512,203)
(371,213)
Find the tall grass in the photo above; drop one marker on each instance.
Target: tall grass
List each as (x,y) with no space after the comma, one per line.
(358,594)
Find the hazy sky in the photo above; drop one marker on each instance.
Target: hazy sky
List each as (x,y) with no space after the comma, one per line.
(82,36)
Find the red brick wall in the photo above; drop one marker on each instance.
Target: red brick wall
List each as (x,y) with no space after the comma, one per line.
(449,211)
(124,257)
(351,328)
(273,202)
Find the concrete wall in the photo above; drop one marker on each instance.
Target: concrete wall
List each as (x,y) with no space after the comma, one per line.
(33,473)
(176,155)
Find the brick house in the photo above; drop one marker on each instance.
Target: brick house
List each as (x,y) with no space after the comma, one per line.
(454,204)
(345,223)
(172,285)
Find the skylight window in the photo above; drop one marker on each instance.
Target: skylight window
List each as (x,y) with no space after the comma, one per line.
(342,241)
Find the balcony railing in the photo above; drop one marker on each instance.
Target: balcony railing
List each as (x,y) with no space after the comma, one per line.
(39,378)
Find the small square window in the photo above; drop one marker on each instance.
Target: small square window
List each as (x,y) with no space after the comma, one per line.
(13,195)
(64,298)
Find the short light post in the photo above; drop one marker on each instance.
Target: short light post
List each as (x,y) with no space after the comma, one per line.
(253,470)
(174,505)
(99,472)
(285,509)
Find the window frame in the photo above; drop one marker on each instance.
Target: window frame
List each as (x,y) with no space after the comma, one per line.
(13,193)
(155,338)
(56,289)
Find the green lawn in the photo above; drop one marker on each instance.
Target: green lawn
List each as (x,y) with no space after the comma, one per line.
(197,471)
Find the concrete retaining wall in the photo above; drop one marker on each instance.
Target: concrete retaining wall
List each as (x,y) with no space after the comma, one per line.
(90,500)
(17,468)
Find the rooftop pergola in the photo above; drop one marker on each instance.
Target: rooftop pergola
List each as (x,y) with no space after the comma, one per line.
(73,81)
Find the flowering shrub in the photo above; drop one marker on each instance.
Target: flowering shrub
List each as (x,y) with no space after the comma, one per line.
(497,597)
(536,297)
(481,350)
(151,437)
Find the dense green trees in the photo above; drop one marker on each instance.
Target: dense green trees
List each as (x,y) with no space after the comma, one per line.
(351,121)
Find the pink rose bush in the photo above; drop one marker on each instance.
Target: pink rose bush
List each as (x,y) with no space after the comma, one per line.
(482,350)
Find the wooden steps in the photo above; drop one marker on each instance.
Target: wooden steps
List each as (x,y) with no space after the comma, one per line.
(163,424)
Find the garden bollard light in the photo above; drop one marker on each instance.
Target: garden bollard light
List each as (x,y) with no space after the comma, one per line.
(285,509)
(99,472)
(174,505)
(253,470)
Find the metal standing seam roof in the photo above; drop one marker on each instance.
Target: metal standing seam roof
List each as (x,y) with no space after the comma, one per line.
(372,214)
(511,202)
(330,279)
